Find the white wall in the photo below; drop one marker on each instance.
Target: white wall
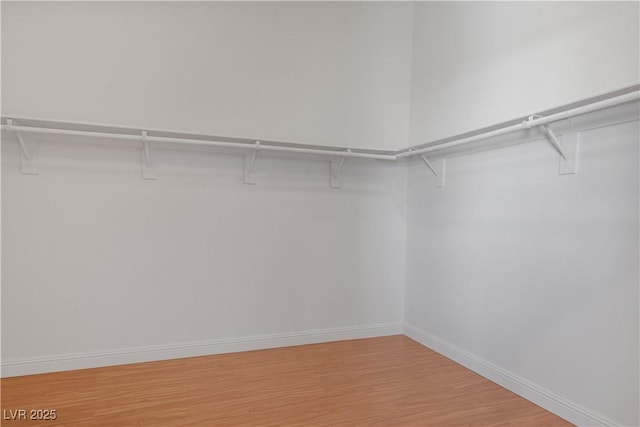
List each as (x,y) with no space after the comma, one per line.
(476,64)
(534,272)
(327,73)
(97,260)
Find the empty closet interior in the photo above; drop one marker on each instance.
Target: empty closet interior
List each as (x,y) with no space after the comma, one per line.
(192,178)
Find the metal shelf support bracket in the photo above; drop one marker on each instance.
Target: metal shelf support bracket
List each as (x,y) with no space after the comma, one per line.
(336,169)
(148,171)
(440,174)
(570,143)
(566,145)
(249,165)
(27,165)
(553,139)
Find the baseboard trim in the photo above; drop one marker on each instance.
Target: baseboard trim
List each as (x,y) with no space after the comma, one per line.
(67,362)
(551,402)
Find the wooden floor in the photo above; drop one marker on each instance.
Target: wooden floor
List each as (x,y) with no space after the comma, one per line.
(388,381)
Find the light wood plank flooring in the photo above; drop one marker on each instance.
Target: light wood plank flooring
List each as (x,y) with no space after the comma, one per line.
(387,381)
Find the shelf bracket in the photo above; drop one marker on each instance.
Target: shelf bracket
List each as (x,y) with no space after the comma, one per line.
(27,165)
(570,143)
(336,168)
(249,165)
(439,174)
(148,171)
(566,145)
(553,139)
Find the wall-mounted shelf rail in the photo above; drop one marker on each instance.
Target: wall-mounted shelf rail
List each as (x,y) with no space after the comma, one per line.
(530,122)
(566,147)
(208,143)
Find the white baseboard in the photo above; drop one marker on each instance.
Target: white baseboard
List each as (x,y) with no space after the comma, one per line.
(66,362)
(553,403)
(530,391)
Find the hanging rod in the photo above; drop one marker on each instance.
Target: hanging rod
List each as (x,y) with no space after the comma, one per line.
(527,124)
(187,141)
(532,121)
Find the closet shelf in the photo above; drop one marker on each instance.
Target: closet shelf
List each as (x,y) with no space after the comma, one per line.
(342,152)
(530,122)
(567,150)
